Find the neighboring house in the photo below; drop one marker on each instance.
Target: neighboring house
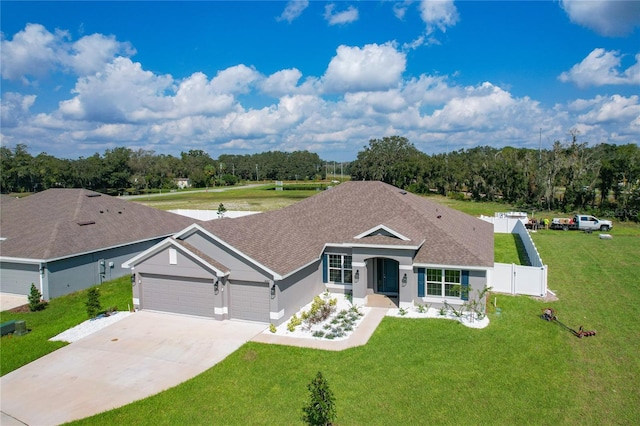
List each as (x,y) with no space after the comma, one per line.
(64,240)
(359,237)
(182,183)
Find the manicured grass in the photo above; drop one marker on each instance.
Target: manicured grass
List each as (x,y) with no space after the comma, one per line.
(61,314)
(260,198)
(519,370)
(508,248)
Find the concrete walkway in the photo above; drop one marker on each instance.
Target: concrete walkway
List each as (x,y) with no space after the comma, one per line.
(10,301)
(132,359)
(359,337)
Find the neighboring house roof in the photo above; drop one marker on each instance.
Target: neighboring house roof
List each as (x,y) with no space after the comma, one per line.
(59,223)
(288,239)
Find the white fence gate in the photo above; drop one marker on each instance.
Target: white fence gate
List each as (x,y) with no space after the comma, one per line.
(518,279)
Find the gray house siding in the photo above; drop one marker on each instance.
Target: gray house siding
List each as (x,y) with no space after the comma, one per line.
(242,270)
(17,278)
(80,272)
(296,291)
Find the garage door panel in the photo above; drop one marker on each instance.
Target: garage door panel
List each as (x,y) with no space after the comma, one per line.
(249,301)
(190,296)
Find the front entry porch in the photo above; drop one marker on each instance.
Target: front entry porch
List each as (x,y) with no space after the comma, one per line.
(381,301)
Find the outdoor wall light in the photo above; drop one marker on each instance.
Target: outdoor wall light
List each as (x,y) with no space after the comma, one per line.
(216,286)
(357,277)
(404,280)
(133,279)
(273,291)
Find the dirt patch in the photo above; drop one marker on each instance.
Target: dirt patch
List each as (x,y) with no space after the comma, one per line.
(549,297)
(20,309)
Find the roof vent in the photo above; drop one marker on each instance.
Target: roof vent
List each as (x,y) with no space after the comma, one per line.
(403,192)
(87,222)
(93,195)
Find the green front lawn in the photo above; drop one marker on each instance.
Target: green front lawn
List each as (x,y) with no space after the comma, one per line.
(519,370)
(61,314)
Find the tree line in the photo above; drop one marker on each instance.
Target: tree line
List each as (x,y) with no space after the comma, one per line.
(122,169)
(570,176)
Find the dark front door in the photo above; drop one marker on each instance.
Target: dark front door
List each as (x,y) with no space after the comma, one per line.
(387,276)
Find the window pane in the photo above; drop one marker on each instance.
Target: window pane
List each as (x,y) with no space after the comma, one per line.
(347,262)
(347,277)
(452,290)
(335,275)
(434,289)
(452,276)
(434,275)
(335,261)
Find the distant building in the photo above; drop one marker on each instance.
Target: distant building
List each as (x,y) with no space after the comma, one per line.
(182,183)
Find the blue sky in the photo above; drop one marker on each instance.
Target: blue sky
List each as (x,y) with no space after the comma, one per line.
(252,76)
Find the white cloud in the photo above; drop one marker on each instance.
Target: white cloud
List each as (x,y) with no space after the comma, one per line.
(292,10)
(14,108)
(339,18)
(89,54)
(400,8)
(236,79)
(34,52)
(606,17)
(612,109)
(602,67)
(281,82)
(440,14)
(373,67)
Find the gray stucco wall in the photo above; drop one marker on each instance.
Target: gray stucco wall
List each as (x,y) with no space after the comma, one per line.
(296,291)
(242,270)
(78,273)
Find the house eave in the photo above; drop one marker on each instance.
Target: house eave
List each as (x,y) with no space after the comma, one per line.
(452,266)
(170,242)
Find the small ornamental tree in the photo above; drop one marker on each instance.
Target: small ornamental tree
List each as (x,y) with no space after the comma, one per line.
(221,211)
(320,410)
(35,299)
(93,302)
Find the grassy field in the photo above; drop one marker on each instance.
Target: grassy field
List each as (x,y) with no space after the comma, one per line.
(61,314)
(259,198)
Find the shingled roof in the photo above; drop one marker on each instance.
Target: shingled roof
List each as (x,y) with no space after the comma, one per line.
(288,239)
(59,223)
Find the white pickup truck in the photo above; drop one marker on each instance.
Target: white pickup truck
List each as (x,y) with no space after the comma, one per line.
(581,222)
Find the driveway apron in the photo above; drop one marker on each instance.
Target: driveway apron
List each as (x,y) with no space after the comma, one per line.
(134,358)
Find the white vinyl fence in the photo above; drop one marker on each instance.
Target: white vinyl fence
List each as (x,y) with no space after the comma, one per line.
(518,279)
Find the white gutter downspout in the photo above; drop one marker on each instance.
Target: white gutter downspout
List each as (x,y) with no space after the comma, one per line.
(42,269)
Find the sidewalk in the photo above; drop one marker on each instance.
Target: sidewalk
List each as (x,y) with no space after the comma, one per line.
(359,337)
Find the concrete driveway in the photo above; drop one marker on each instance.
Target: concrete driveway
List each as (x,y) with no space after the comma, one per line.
(136,357)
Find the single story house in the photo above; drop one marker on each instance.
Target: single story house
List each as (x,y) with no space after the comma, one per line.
(358,237)
(64,240)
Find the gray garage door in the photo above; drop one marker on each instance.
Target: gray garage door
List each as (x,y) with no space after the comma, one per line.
(190,296)
(249,301)
(17,278)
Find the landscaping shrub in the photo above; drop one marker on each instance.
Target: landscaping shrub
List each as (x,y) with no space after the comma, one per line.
(320,409)
(93,302)
(35,300)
